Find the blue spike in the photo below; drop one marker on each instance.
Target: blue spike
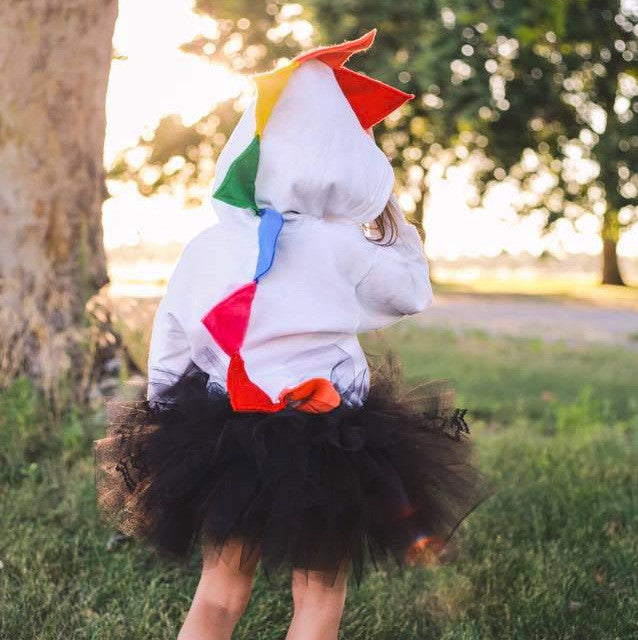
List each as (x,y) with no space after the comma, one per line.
(269,228)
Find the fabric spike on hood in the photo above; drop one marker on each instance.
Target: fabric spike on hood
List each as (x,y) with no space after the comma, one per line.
(301,147)
(370,100)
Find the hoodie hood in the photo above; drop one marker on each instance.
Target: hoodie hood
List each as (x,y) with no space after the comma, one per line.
(301,146)
(315,158)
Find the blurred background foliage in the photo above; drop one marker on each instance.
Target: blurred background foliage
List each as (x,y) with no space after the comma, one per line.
(541,95)
(537,96)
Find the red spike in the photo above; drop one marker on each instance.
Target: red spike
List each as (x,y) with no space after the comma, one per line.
(370,99)
(244,394)
(227,321)
(336,55)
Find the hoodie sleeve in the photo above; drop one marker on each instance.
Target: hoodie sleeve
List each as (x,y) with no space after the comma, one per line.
(398,282)
(169,351)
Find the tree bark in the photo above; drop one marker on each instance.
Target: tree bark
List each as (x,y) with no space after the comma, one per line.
(610,234)
(611,270)
(55,58)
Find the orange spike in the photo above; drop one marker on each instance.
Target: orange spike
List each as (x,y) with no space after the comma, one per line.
(336,55)
(316,395)
(370,99)
(244,394)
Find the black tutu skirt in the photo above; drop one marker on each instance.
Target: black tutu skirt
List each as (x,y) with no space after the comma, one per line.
(357,486)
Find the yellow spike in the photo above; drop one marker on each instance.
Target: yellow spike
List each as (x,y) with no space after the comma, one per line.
(269,88)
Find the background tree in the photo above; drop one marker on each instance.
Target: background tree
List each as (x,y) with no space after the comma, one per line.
(541,93)
(251,35)
(55,57)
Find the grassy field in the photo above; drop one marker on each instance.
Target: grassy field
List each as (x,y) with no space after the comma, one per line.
(553,555)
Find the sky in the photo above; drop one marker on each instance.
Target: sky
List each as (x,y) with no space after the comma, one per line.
(152,78)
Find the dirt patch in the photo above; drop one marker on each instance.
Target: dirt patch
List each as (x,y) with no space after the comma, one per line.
(533,317)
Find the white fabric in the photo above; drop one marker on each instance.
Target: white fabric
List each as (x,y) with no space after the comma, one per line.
(328,281)
(337,169)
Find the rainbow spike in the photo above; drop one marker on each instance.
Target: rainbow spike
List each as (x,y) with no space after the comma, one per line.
(269,88)
(227,321)
(269,227)
(370,99)
(337,55)
(238,186)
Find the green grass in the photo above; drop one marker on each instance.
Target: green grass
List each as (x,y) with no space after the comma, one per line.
(553,555)
(505,379)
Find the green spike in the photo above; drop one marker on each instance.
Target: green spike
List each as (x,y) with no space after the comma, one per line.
(238,185)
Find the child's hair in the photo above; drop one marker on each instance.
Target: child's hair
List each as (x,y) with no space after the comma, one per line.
(386,228)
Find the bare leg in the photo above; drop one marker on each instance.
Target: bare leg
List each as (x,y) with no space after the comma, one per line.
(318,606)
(221,596)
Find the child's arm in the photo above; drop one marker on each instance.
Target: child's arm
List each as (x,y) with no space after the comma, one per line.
(169,352)
(398,282)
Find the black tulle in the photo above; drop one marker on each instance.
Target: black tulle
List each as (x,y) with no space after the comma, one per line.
(357,485)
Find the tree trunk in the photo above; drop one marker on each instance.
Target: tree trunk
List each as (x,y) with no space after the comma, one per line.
(610,234)
(55,57)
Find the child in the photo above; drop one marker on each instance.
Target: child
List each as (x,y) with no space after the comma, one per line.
(261,437)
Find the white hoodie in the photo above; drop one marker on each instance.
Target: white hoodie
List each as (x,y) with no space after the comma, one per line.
(326,176)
